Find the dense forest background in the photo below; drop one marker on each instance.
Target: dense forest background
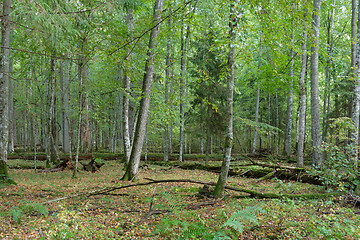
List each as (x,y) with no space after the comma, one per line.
(158,96)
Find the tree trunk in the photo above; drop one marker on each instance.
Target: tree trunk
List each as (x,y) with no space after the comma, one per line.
(52,131)
(290,101)
(66,108)
(167,82)
(315,117)
(302,87)
(221,183)
(184,42)
(134,161)
(356,98)
(257,101)
(4,90)
(127,88)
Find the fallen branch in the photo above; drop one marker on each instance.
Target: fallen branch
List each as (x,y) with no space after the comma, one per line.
(251,193)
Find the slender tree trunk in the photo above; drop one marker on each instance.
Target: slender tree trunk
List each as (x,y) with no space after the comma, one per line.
(257,101)
(54,157)
(66,113)
(328,75)
(290,101)
(302,87)
(167,82)
(12,133)
(134,161)
(4,90)
(315,117)
(221,183)
(356,98)
(184,42)
(256,117)
(127,87)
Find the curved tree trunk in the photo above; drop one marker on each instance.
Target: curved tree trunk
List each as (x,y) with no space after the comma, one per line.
(134,161)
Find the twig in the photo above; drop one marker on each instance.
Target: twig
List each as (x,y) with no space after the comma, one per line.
(151,204)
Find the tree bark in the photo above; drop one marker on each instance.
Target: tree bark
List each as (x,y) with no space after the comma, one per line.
(184,42)
(315,116)
(356,98)
(66,111)
(290,101)
(134,161)
(167,82)
(127,88)
(257,102)
(221,183)
(302,87)
(4,91)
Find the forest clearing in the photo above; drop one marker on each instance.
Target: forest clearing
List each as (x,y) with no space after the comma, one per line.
(83,210)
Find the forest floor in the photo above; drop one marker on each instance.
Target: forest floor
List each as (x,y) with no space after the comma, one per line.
(166,210)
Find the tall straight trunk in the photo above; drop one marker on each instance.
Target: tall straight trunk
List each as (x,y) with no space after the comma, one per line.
(134,161)
(302,102)
(114,123)
(330,43)
(167,82)
(85,127)
(257,101)
(12,133)
(315,116)
(54,156)
(4,90)
(356,98)
(66,109)
(290,100)
(184,42)
(127,87)
(221,183)
(256,117)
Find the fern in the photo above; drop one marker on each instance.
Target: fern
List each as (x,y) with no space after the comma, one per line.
(246,215)
(16,214)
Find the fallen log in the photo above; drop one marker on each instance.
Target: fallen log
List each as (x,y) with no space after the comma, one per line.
(66,164)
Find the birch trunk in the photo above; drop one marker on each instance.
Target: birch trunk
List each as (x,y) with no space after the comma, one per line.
(134,161)
(4,91)
(221,183)
(315,116)
(302,88)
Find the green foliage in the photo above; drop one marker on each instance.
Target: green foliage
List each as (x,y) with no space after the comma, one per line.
(197,227)
(339,171)
(26,209)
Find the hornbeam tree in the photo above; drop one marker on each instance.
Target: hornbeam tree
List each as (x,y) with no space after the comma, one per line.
(134,161)
(4,90)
